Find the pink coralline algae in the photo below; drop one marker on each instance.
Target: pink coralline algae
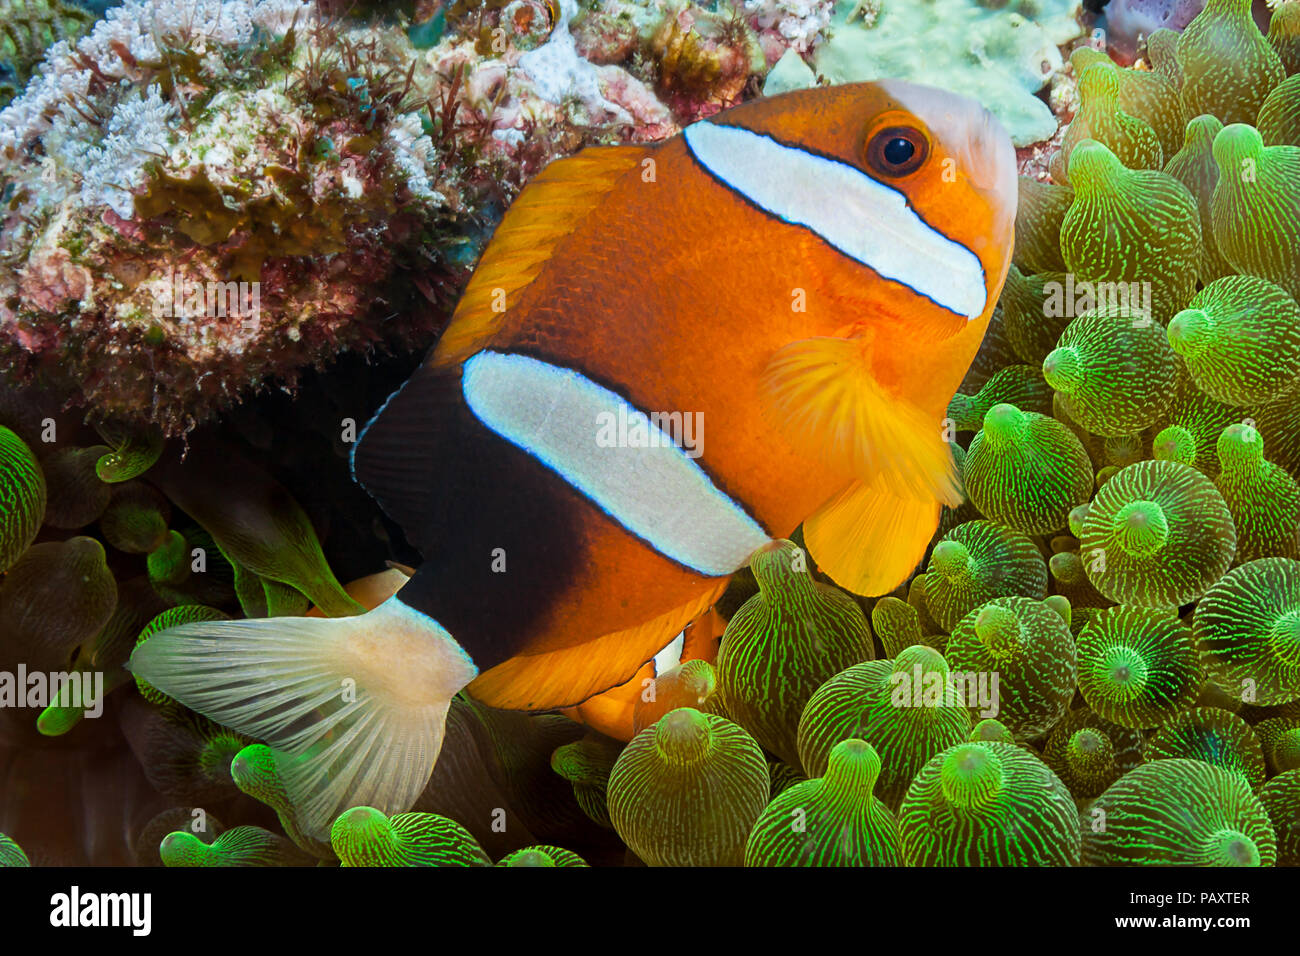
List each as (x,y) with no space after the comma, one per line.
(201,198)
(799,25)
(204,197)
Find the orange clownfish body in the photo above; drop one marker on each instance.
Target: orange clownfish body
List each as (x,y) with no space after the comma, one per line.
(668,356)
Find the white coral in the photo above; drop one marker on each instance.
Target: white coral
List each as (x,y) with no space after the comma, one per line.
(410,148)
(558,72)
(139,128)
(801,23)
(133,27)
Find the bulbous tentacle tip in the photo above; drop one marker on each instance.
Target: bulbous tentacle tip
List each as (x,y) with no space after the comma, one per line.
(1093,168)
(992,729)
(243,769)
(1127,671)
(1004,422)
(361,820)
(1099,82)
(778,563)
(545,856)
(1078,515)
(180,849)
(1067,568)
(929,660)
(1234,143)
(1190,332)
(971,776)
(1242,439)
(1142,528)
(1061,605)
(1200,132)
(1090,745)
(1063,369)
(1240,451)
(1233,848)
(998,628)
(853,767)
(950,559)
(1174,443)
(683,735)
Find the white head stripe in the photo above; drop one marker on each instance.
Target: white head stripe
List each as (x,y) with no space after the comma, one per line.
(861,217)
(652,488)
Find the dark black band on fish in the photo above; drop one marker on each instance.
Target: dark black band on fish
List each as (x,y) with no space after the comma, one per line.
(497,459)
(463,496)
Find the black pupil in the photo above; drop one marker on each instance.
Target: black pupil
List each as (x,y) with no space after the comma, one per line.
(898,151)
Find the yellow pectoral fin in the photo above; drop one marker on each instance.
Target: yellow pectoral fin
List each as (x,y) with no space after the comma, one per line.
(869,539)
(825,394)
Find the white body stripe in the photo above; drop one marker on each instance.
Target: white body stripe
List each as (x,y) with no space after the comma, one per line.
(861,217)
(657,493)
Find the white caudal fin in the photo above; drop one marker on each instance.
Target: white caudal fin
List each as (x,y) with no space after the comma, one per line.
(354,707)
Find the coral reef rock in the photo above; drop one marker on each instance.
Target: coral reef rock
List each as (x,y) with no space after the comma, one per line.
(1001,54)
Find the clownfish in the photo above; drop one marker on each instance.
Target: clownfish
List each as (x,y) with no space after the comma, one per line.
(803,279)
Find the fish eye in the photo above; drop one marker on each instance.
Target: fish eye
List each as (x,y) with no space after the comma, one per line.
(897,151)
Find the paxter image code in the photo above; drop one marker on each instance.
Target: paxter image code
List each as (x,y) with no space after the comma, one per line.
(649,433)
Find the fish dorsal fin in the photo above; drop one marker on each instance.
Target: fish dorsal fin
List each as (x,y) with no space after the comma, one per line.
(868,540)
(826,398)
(401,446)
(551,207)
